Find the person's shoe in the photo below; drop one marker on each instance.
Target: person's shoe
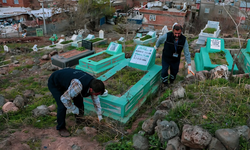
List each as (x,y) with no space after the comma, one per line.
(164,86)
(64,132)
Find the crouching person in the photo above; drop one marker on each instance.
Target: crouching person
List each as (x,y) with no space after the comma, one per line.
(72,84)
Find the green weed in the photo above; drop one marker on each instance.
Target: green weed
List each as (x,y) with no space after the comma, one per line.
(71,47)
(209,30)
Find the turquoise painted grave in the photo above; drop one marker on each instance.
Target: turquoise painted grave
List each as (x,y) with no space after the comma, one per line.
(94,67)
(244,58)
(122,107)
(214,45)
(150,40)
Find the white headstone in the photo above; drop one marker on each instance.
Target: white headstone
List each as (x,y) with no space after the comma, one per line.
(89,37)
(142,55)
(61,40)
(215,44)
(6,49)
(101,34)
(164,30)
(121,39)
(35,48)
(74,37)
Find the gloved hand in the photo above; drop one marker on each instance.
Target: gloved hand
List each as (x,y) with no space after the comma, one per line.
(190,70)
(75,110)
(99,118)
(155,47)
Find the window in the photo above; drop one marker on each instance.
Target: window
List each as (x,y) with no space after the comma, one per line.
(152,17)
(206,10)
(220,11)
(16,2)
(4,1)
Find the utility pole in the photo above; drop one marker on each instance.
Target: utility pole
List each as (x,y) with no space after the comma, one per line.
(44,24)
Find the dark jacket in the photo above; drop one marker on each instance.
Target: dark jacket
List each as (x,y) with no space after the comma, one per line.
(61,79)
(169,48)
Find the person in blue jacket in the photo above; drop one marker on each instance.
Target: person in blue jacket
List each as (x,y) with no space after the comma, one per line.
(174,43)
(71,84)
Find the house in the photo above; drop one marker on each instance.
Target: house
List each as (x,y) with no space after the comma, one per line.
(33,4)
(217,10)
(157,14)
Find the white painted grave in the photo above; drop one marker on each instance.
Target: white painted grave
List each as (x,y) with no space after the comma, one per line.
(142,55)
(35,48)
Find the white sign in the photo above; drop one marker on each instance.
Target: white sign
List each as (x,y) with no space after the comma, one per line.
(215,44)
(113,47)
(142,55)
(151,33)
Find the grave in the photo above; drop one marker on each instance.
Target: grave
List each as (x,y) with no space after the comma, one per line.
(203,35)
(139,41)
(72,57)
(244,58)
(77,41)
(64,44)
(122,107)
(103,60)
(214,46)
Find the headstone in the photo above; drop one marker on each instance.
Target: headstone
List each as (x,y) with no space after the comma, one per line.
(61,40)
(35,48)
(101,34)
(164,30)
(6,49)
(89,37)
(74,37)
(87,44)
(142,55)
(215,44)
(121,39)
(113,47)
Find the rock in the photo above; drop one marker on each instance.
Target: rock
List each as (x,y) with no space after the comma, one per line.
(149,125)
(52,107)
(46,65)
(160,114)
(215,144)
(34,68)
(243,131)
(53,114)
(227,35)
(140,142)
(79,131)
(110,142)
(41,111)
(36,61)
(228,137)
(158,55)
(247,86)
(75,147)
(45,57)
(248,122)
(2,100)
(89,131)
(38,95)
(195,137)
(175,144)
(219,72)
(200,76)
(48,94)
(15,72)
(28,93)
(166,130)
(9,106)
(53,53)
(52,68)
(166,105)
(179,92)
(19,101)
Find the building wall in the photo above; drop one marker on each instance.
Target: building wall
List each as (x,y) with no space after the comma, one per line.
(21,3)
(162,18)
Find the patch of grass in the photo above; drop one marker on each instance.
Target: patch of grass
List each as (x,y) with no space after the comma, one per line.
(218,58)
(235,46)
(102,46)
(23,67)
(120,146)
(145,37)
(123,80)
(129,48)
(209,30)
(100,57)
(66,42)
(80,48)
(192,39)
(71,47)
(34,143)
(6,62)
(52,46)
(158,61)
(95,40)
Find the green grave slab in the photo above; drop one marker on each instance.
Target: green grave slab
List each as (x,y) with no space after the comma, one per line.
(123,107)
(147,41)
(244,58)
(95,67)
(214,45)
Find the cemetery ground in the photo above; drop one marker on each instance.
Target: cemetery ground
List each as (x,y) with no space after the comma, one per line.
(211,104)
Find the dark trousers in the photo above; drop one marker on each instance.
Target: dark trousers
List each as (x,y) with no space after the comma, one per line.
(174,69)
(61,109)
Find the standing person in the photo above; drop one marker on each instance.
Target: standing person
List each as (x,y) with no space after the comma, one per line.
(72,84)
(174,42)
